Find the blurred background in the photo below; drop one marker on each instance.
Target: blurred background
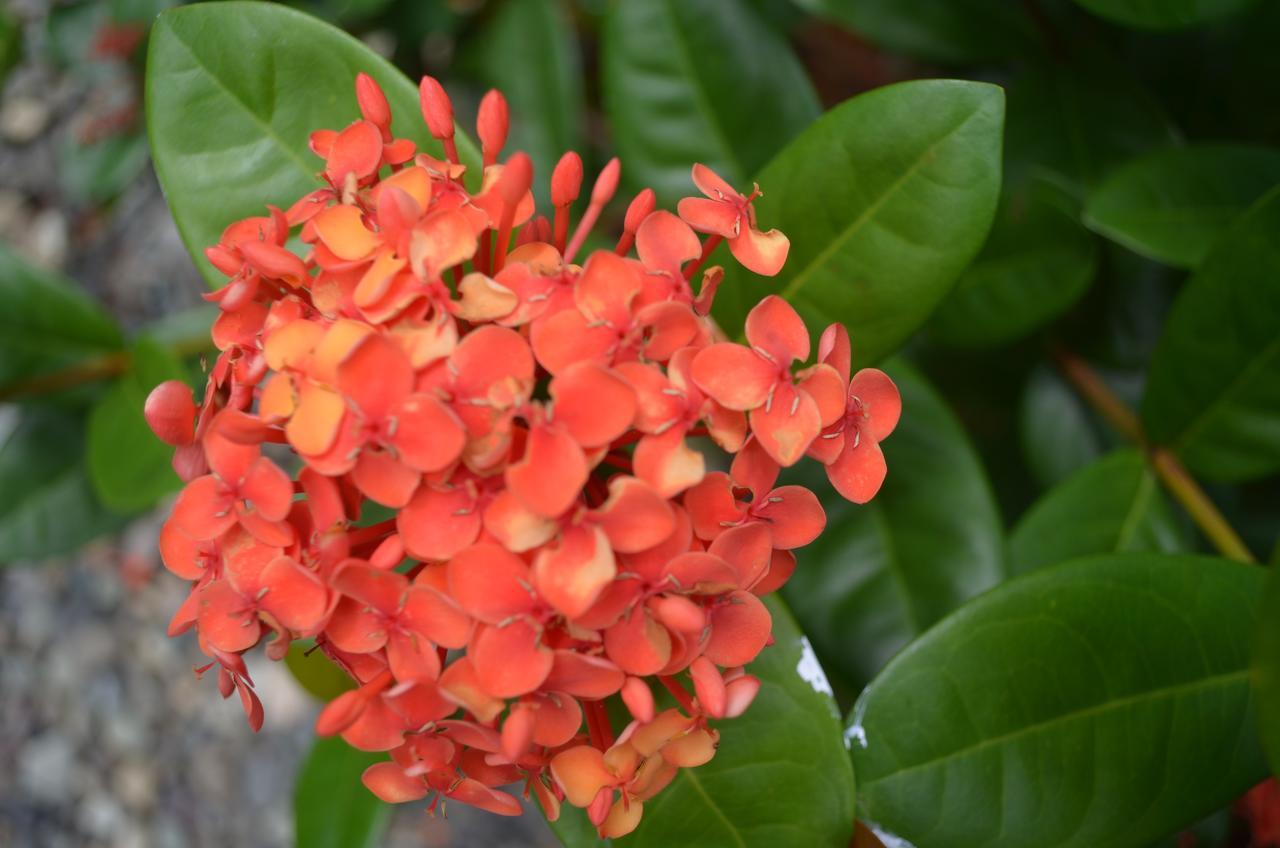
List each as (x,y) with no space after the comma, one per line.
(106,735)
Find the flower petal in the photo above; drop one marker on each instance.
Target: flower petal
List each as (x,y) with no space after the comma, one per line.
(859,471)
(437,523)
(761,253)
(510,660)
(428,435)
(787,425)
(881,402)
(739,630)
(571,576)
(595,404)
(490,583)
(376,375)
(549,478)
(635,517)
(775,327)
(736,376)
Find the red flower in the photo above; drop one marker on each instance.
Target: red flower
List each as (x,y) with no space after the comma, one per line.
(730,215)
(555,540)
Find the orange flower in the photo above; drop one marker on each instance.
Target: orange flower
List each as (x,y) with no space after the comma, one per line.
(556,540)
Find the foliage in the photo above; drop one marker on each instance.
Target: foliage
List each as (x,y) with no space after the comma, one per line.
(1065,253)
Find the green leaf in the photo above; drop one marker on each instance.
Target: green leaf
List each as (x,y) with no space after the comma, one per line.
(1173,205)
(1074,123)
(98,172)
(47,506)
(1057,433)
(46,322)
(1111,506)
(1163,14)
(957,31)
(1036,264)
(1102,702)
(885,199)
(698,81)
(233,92)
(331,807)
(10,42)
(781,774)
(883,573)
(1266,668)
(1214,384)
(315,672)
(529,51)
(129,467)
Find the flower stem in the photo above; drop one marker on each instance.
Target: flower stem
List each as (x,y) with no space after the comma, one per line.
(102,367)
(1172,473)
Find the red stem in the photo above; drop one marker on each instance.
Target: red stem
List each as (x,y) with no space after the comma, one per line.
(707,247)
(677,691)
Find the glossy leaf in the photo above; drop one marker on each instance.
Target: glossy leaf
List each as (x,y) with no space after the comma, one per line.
(883,573)
(129,467)
(1074,123)
(1101,702)
(331,807)
(1214,384)
(885,199)
(698,81)
(780,777)
(316,673)
(47,506)
(1058,435)
(958,31)
(234,89)
(46,322)
(1172,205)
(529,51)
(1266,669)
(1036,264)
(1111,506)
(1163,14)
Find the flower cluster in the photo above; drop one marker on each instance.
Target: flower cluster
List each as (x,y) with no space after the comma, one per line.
(554,538)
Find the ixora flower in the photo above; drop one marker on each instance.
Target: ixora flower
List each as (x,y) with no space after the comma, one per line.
(555,540)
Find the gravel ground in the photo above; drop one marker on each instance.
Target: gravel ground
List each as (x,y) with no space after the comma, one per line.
(106,736)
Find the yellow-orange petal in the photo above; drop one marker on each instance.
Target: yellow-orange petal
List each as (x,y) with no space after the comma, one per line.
(315,422)
(581,773)
(342,230)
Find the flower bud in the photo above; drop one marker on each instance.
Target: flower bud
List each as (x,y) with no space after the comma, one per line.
(437,109)
(566,180)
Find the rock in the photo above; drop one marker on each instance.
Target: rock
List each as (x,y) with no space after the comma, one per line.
(134,782)
(45,767)
(23,118)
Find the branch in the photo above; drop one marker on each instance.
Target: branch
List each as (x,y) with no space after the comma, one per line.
(1172,473)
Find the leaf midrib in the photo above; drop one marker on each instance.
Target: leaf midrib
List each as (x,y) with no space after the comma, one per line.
(868,214)
(696,86)
(267,128)
(1212,409)
(1204,683)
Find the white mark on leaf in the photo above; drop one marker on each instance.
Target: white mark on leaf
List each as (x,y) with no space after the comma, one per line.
(810,670)
(855,730)
(886,838)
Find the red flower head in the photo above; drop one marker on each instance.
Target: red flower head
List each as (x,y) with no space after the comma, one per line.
(557,539)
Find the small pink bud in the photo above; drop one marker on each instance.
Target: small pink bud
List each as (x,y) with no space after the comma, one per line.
(639,699)
(170,411)
(607,183)
(566,180)
(492,124)
(437,109)
(639,209)
(516,179)
(373,103)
